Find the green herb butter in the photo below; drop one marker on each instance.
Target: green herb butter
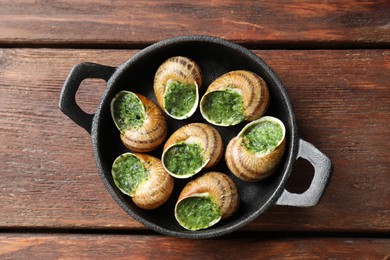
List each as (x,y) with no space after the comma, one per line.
(183,159)
(223,107)
(196,213)
(128,111)
(263,137)
(179,98)
(128,171)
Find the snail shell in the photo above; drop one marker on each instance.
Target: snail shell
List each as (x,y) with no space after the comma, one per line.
(206,137)
(152,129)
(151,187)
(217,191)
(250,104)
(176,84)
(250,165)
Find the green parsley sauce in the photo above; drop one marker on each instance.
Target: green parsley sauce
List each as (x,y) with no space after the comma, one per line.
(179,98)
(224,107)
(183,159)
(128,172)
(263,137)
(196,213)
(129,112)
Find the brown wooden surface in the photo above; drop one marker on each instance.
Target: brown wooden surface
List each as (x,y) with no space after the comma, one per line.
(249,22)
(52,201)
(341,103)
(15,246)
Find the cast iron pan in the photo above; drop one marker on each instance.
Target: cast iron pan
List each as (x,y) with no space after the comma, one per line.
(215,56)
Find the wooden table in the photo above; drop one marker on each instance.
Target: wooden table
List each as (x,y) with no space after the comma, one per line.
(333,58)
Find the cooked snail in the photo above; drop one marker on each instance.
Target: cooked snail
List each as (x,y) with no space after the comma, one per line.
(257,150)
(141,122)
(235,97)
(176,86)
(190,149)
(206,200)
(143,178)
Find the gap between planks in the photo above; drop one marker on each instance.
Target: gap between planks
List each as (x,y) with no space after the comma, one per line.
(250,45)
(238,234)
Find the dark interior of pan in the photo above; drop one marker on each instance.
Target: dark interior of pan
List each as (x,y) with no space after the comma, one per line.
(215,57)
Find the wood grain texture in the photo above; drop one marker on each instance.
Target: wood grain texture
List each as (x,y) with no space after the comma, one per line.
(155,247)
(49,178)
(125,22)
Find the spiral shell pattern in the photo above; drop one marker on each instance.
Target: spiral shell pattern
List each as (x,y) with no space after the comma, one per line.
(253,89)
(250,166)
(180,69)
(151,134)
(156,190)
(217,185)
(207,136)
(144,180)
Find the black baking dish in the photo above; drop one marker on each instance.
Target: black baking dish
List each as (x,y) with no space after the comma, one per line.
(215,56)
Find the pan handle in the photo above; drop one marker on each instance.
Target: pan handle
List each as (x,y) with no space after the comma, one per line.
(322,172)
(68,103)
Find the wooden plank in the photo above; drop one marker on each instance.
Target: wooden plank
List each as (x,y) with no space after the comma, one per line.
(21,246)
(49,178)
(75,23)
